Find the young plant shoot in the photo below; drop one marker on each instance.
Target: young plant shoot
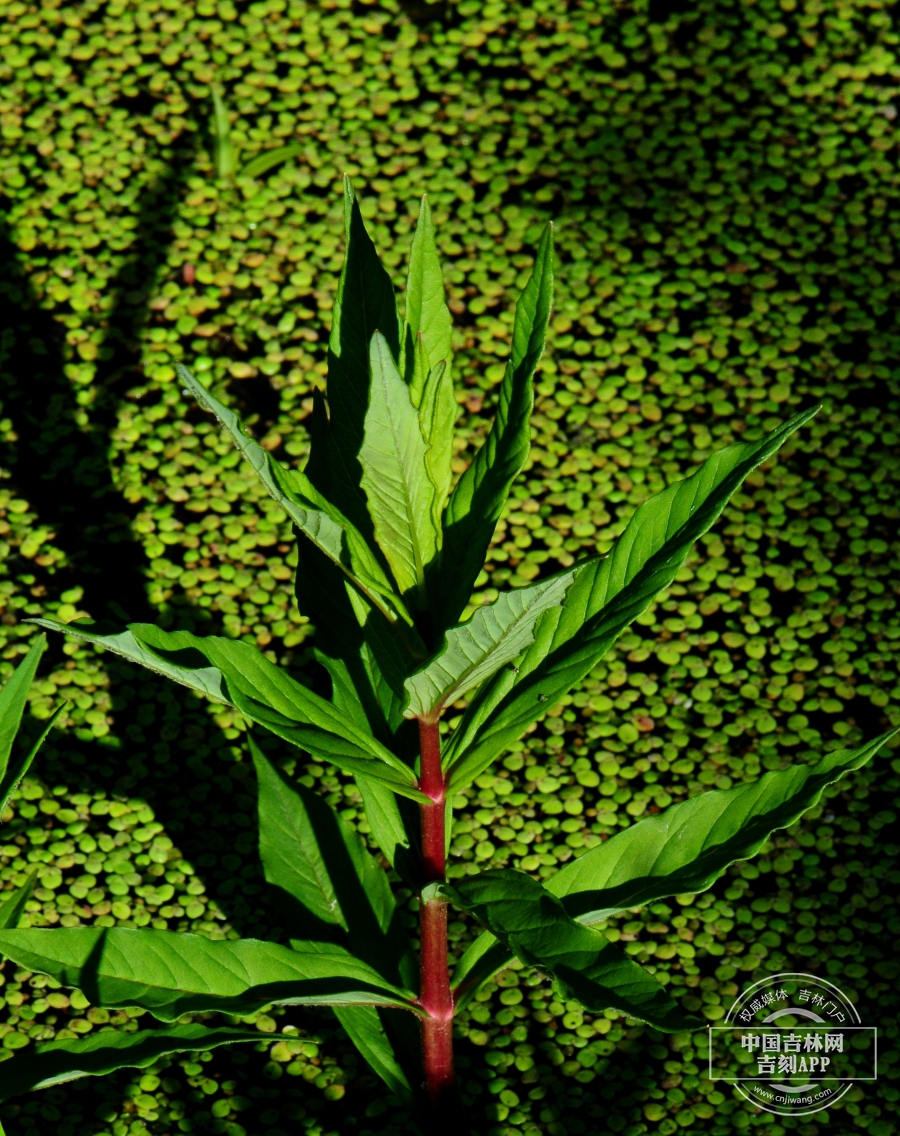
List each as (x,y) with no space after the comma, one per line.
(389,549)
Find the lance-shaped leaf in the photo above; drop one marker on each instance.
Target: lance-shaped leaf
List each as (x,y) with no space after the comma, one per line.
(55,1062)
(122,642)
(606,597)
(686,848)
(13,907)
(318,860)
(266,161)
(366,1030)
(428,318)
(242,677)
(366,667)
(682,850)
(298,833)
(496,634)
(534,925)
(365,303)
(437,416)
(356,685)
(398,490)
(269,696)
(13,699)
(319,521)
(393,824)
(18,767)
(329,747)
(481,960)
(170,973)
(225,154)
(477,500)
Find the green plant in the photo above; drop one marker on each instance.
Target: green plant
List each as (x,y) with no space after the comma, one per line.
(389,551)
(225,155)
(269,159)
(225,152)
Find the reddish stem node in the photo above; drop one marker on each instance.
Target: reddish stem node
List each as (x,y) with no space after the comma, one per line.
(435,997)
(431,783)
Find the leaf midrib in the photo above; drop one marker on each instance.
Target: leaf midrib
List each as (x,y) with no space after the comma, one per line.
(404,485)
(522,617)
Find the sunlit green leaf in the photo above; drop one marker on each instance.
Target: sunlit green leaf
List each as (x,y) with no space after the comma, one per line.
(686,848)
(204,680)
(316,518)
(242,676)
(607,596)
(173,973)
(428,326)
(268,159)
(682,850)
(437,416)
(478,498)
(269,696)
(473,651)
(399,494)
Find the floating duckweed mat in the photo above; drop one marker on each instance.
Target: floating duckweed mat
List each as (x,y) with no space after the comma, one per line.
(723,178)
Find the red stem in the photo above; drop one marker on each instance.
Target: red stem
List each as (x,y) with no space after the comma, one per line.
(436,997)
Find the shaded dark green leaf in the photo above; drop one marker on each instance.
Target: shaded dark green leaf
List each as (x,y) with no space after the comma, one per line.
(533,924)
(55,1062)
(365,303)
(481,960)
(366,1030)
(13,907)
(18,767)
(14,698)
(171,973)
(319,861)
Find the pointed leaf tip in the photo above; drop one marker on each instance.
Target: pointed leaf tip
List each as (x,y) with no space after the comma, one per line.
(477,500)
(689,846)
(67,1059)
(607,597)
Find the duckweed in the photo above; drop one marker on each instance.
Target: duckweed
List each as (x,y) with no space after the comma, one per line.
(724,181)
